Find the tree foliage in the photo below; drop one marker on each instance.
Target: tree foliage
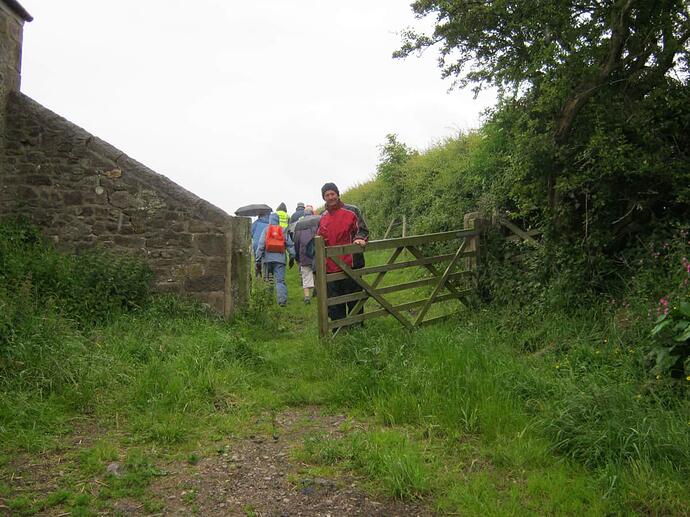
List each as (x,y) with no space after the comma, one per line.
(514,44)
(559,57)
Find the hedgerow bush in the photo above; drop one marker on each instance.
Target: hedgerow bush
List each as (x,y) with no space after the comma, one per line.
(612,244)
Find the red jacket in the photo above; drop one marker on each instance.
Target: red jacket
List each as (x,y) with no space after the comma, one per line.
(338,226)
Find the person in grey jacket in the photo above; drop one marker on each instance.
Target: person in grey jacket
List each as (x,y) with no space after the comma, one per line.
(274,263)
(304,249)
(299,212)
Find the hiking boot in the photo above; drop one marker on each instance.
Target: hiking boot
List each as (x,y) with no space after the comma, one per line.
(307,300)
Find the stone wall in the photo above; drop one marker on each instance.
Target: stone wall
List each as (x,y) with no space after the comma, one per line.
(86,193)
(11,27)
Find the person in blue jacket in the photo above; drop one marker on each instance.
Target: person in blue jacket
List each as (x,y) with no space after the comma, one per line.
(258,227)
(274,263)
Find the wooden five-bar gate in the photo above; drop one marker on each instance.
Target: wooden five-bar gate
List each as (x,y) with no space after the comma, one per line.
(447,281)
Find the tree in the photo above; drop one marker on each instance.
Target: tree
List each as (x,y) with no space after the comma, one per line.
(559,52)
(392,156)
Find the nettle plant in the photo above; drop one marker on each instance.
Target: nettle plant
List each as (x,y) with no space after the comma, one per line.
(671,350)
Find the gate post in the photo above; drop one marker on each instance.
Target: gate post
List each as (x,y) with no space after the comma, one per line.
(238,245)
(472,221)
(321,285)
(475,221)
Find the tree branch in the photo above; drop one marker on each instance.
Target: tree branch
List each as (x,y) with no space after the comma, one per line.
(572,106)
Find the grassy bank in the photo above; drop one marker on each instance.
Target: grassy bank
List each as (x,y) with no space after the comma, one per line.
(502,411)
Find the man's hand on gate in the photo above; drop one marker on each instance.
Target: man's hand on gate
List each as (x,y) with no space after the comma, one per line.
(361,242)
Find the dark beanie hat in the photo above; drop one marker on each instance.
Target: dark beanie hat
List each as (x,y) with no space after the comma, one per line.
(329,186)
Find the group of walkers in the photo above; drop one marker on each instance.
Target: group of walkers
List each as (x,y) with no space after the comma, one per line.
(276,235)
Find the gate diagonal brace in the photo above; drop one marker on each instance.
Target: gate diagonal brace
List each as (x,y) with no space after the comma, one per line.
(449,285)
(372,292)
(378,279)
(441,284)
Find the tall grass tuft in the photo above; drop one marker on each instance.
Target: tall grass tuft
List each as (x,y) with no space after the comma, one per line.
(389,456)
(47,299)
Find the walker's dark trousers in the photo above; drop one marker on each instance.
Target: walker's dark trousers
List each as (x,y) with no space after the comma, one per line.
(339,288)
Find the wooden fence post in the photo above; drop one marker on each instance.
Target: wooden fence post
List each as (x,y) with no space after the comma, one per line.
(404,225)
(238,245)
(390,227)
(321,286)
(475,221)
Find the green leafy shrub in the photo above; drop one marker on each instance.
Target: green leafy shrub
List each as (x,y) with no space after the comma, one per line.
(671,349)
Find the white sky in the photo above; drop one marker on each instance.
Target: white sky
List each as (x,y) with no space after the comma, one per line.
(242,102)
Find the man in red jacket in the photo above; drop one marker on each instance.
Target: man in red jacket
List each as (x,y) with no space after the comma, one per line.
(339,226)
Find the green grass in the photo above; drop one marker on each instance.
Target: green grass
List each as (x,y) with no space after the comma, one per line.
(498,412)
(389,456)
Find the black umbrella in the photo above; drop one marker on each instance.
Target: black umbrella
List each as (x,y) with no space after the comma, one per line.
(308,221)
(252,210)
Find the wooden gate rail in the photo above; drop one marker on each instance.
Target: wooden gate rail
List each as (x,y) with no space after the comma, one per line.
(394,288)
(393,266)
(519,233)
(442,279)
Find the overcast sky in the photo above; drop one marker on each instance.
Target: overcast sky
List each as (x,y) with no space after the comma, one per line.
(242,102)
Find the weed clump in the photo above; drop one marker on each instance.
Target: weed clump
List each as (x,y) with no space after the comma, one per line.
(48,300)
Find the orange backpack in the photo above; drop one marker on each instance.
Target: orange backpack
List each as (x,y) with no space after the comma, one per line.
(275,240)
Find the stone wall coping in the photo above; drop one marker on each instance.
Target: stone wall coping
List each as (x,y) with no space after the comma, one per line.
(17,9)
(104,150)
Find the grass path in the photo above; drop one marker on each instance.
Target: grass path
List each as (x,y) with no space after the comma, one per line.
(176,413)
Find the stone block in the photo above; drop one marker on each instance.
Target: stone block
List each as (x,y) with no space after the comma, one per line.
(205,283)
(129,241)
(113,174)
(72,198)
(210,244)
(65,147)
(121,199)
(194,271)
(214,301)
(103,149)
(27,168)
(216,267)
(212,214)
(27,193)
(42,219)
(167,253)
(102,212)
(199,226)
(104,228)
(36,179)
(149,201)
(164,286)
